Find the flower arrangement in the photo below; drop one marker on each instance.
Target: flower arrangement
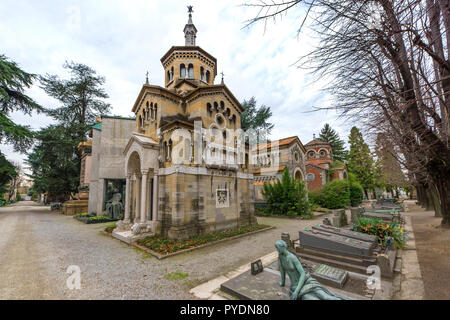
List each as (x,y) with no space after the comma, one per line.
(382,229)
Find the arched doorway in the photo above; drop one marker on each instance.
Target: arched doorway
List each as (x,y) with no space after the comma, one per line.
(298,174)
(133,188)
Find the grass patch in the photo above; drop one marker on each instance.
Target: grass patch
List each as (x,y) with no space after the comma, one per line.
(110,227)
(166,246)
(177,275)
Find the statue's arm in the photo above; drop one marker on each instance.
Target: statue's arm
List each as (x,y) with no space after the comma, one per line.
(283,274)
(302,279)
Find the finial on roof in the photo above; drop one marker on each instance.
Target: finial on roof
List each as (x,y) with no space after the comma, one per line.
(146,78)
(314,136)
(190,32)
(222,76)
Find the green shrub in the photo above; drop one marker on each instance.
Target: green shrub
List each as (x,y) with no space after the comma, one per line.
(335,194)
(314,197)
(382,230)
(286,197)
(356,194)
(18,197)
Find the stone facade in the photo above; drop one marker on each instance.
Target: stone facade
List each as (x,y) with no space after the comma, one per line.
(320,167)
(291,156)
(173,187)
(109,137)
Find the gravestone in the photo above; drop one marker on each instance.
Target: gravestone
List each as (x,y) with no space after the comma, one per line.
(286,237)
(355,213)
(348,233)
(256,267)
(331,276)
(339,218)
(331,242)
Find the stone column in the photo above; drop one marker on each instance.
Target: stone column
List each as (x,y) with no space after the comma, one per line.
(144,196)
(138,199)
(155,198)
(127,199)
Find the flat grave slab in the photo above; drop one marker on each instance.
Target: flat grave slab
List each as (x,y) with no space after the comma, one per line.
(347,233)
(264,286)
(331,242)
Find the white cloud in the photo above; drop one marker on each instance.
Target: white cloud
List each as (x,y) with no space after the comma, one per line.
(121,40)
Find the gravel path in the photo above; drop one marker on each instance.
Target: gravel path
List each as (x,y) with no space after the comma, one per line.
(37,246)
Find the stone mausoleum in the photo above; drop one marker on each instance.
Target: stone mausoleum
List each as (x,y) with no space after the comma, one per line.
(320,167)
(110,135)
(181,199)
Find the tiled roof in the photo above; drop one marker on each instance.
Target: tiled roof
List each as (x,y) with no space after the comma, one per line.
(281,142)
(317,142)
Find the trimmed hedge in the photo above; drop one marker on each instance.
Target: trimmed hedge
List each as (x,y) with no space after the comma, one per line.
(335,194)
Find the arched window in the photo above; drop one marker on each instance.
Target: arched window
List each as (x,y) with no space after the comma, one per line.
(144,113)
(165,154)
(216,106)
(209,108)
(182,71)
(190,71)
(207,76)
(222,105)
(202,73)
(169,153)
(156,111)
(171,74)
(169,78)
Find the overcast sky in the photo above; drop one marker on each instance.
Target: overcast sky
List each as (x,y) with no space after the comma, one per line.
(121,40)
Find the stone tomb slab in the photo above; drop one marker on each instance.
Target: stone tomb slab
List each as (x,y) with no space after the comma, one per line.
(331,242)
(264,286)
(347,233)
(325,274)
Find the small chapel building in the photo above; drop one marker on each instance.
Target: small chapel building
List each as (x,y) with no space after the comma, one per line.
(320,167)
(273,158)
(181,179)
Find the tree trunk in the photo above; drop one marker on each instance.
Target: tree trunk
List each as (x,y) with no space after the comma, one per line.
(429,206)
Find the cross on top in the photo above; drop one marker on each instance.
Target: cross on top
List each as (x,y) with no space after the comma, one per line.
(190,10)
(222,75)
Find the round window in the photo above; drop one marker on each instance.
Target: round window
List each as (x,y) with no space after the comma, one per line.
(311,154)
(296,156)
(310,176)
(322,153)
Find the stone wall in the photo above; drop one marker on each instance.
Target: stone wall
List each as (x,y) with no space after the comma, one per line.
(108,160)
(188,203)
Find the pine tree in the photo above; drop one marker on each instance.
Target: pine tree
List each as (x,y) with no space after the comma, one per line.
(330,136)
(360,161)
(13,82)
(388,169)
(256,118)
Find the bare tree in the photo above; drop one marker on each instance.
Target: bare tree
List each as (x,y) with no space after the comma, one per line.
(388,65)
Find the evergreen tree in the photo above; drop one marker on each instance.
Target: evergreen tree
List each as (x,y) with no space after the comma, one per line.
(360,161)
(54,161)
(7,173)
(330,136)
(286,197)
(256,118)
(388,169)
(81,96)
(13,82)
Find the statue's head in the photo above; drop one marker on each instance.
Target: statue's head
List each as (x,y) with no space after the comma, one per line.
(281,246)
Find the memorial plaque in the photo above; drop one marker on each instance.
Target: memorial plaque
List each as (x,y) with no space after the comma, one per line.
(335,243)
(331,276)
(256,267)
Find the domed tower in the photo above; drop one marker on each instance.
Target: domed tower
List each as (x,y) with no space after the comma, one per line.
(318,152)
(188,66)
